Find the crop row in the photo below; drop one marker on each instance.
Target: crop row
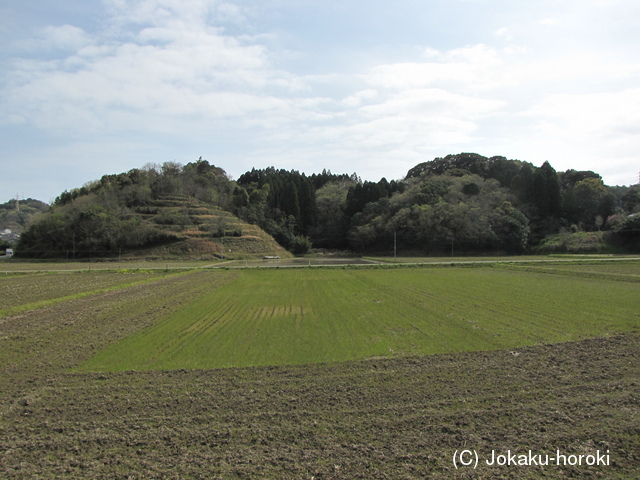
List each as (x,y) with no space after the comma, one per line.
(275,317)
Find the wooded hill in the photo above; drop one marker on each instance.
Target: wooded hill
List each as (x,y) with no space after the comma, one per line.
(463,203)
(164,212)
(15,215)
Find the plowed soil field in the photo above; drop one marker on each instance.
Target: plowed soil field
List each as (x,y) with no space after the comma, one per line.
(388,418)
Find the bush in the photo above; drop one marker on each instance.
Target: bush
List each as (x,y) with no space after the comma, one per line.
(301,244)
(580,242)
(173,217)
(628,232)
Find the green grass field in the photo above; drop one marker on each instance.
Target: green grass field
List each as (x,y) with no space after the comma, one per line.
(312,315)
(392,412)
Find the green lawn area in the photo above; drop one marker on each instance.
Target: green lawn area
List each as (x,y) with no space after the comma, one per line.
(311,315)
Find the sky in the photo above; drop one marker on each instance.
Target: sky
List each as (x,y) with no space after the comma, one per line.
(90,87)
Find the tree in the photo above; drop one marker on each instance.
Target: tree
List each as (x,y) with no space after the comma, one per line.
(362,194)
(590,202)
(301,245)
(308,207)
(331,226)
(546,191)
(631,199)
(569,178)
(522,184)
(628,232)
(240,198)
(511,228)
(471,189)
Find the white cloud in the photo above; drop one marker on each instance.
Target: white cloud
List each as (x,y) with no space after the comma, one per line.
(606,125)
(65,37)
(358,98)
(160,12)
(170,74)
(231,12)
(471,66)
(176,67)
(429,102)
(503,33)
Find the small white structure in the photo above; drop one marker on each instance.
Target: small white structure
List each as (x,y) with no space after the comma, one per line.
(8,252)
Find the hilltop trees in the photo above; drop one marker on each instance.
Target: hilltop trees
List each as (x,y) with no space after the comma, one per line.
(442,212)
(464,203)
(89,225)
(283,203)
(474,203)
(102,215)
(546,191)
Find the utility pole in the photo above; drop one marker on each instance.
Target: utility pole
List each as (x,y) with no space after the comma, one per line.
(395,246)
(17,202)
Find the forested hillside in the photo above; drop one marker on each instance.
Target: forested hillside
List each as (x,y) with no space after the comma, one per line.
(16,213)
(165,211)
(464,203)
(475,203)
(15,216)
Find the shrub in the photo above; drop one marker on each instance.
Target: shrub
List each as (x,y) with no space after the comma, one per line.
(301,244)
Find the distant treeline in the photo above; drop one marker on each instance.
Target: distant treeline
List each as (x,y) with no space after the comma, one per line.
(465,202)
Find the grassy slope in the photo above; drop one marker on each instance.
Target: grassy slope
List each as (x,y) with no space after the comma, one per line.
(301,316)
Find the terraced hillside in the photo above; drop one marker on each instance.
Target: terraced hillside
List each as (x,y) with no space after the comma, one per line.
(203,230)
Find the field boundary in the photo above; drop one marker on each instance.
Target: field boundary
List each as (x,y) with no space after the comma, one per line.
(313,262)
